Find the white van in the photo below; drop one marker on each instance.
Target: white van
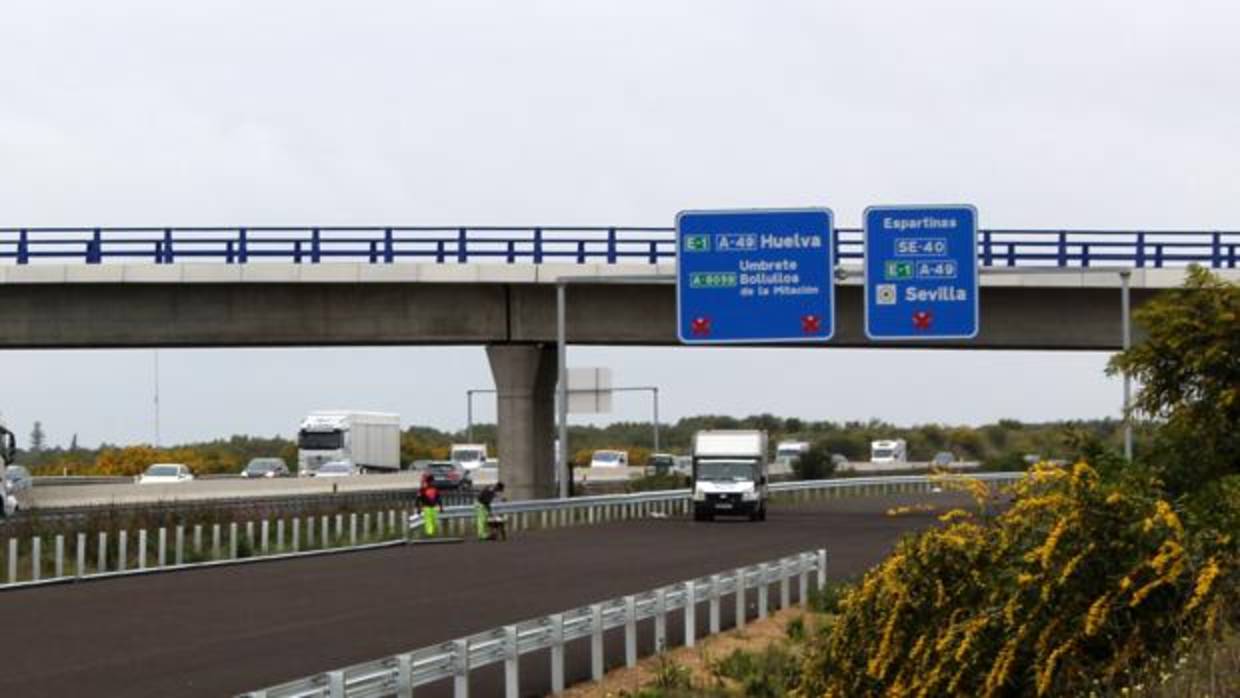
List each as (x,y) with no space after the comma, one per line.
(730,474)
(609,459)
(469,456)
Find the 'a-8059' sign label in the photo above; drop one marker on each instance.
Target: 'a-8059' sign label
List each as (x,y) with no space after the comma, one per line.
(712,279)
(755,276)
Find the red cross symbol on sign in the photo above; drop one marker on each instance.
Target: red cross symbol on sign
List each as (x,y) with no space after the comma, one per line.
(922,319)
(811,324)
(700,326)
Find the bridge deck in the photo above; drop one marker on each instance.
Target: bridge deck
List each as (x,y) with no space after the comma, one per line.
(222,631)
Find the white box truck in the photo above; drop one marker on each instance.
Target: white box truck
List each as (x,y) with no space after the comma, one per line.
(730,473)
(368,440)
(889,451)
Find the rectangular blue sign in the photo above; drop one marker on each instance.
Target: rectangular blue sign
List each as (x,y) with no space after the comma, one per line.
(755,276)
(921,272)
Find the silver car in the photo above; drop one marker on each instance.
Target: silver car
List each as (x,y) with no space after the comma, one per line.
(337,468)
(15,490)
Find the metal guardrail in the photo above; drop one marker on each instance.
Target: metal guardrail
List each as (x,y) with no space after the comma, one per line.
(399,675)
(108,554)
(997,247)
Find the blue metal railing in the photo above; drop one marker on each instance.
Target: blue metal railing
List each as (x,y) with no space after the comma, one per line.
(579,245)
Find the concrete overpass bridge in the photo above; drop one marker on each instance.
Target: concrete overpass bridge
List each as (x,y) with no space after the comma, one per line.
(496,287)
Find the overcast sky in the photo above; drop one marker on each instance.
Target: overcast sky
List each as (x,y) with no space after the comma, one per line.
(1054,114)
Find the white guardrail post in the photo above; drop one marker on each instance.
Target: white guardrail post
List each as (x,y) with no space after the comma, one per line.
(596,641)
(460,669)
(630,631)
(784,574)
(404,675)
(740,597)
(714,604)
(512,657)
(660,619)
(557,652)
(690,614)
(763,590)
(822,569)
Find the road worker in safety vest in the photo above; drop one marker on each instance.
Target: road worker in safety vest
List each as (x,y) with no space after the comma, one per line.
(429,504)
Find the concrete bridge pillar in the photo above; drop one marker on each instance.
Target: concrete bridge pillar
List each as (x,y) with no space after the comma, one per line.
(525,378)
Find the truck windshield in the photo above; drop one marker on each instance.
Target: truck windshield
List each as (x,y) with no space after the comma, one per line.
(320,440)
(466,456)
(606,457)
(883,453)
(725,471)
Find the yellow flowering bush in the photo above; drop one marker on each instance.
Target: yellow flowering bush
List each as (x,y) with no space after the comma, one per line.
(1073,588)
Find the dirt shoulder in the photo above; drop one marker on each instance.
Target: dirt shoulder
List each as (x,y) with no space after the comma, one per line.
(754,637)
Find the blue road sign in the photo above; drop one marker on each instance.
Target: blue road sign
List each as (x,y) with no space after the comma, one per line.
(921,272)
(755,276)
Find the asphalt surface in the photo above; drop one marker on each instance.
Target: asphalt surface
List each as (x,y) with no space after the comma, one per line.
(222,631)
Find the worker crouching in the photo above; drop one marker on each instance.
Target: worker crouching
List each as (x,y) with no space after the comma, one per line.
(490,526)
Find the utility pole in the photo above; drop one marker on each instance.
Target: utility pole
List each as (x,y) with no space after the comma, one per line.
(157,439)
(1125,276)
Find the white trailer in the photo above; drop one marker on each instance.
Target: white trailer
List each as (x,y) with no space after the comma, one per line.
(730,473)
(889,451)
(368,440)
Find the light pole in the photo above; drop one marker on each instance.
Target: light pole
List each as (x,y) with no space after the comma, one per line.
(156,372)
(561,337)
(1125,308)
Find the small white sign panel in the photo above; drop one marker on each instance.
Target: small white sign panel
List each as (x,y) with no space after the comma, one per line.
(589,390)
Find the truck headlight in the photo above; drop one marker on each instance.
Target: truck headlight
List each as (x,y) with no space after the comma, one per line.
(699,496)
(750,495)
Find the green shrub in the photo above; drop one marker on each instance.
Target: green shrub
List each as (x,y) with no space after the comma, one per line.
(1073,588)
(770,673)
(814,464)
(656,483)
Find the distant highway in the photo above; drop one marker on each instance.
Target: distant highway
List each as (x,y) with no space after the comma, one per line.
(220,631)
(57,496)
(60,495)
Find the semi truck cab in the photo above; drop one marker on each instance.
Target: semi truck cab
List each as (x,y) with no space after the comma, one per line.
(730,474)
(8,454)
(368,440)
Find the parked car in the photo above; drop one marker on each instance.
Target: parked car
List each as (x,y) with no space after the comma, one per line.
(14,490)
(165,473)
(265,467)
(449,475)
(337,468)
(943,459)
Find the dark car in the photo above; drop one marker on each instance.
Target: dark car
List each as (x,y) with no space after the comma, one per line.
(265,467)
(447,475)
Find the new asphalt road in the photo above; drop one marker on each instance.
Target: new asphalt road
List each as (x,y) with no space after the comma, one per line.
(222,631)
